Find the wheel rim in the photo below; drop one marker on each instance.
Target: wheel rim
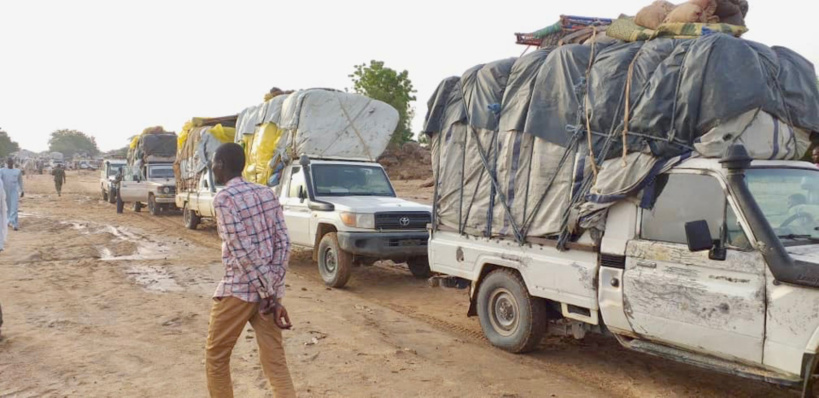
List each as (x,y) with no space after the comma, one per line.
(330,261)
(503,312)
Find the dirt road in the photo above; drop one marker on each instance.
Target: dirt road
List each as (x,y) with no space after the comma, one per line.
(100,304)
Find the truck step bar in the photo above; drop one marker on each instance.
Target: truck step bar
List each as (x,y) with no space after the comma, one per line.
(710,363)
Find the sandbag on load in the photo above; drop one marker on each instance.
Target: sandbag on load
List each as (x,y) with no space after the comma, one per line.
(652,15)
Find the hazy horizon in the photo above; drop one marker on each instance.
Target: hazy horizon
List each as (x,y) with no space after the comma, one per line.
(110,69)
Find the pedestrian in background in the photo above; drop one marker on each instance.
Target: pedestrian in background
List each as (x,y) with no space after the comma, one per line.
(255,253)
(59,179)
(13,185)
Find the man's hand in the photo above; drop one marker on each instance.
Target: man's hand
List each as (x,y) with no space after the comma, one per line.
(271,305)
(22,194)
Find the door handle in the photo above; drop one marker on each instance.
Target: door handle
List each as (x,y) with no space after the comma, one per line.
(647,264)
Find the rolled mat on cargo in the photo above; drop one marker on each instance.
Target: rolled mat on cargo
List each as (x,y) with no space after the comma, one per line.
(319,123)
(540,146)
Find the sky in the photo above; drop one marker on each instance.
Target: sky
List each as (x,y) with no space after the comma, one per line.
(112,68)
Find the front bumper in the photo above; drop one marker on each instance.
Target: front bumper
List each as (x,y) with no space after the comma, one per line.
(385,245)
(165,198)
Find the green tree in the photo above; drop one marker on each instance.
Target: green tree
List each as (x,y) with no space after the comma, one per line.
(70,142)
(120,153)
(7,146)
(395,88)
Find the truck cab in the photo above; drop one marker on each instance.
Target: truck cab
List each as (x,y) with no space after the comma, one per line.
(152,185)
(108,173)
(727,279)
(348,214)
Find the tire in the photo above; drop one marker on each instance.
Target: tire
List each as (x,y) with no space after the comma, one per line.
(511,319)
(112,196)
(190,218)
(137,207)
(419,267)
(152,206)
(334,264)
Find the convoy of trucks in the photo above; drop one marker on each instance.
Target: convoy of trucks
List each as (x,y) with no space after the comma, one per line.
(562,196)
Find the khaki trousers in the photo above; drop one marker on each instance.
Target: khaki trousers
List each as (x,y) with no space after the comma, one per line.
(228,318)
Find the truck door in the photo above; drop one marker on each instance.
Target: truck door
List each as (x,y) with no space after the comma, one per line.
(296,213)
(694,300)
(204,200)
(132,186)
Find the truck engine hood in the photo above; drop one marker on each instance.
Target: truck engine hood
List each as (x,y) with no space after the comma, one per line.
(806,253)
(373,204)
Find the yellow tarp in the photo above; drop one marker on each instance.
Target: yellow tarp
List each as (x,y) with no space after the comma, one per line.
(260,149)
(134,142)
(223,134)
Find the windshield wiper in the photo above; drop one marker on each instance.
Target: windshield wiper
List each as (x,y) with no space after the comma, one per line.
(796,236)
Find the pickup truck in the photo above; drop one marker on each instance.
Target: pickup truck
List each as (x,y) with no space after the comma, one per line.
(152,185)
(198,204)
(108,174)
(728,281)
(348,214)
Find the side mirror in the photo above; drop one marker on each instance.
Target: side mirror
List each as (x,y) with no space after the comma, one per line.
(698,236)
(302,194)
(321,206)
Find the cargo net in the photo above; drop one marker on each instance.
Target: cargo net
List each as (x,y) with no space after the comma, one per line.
(538,147)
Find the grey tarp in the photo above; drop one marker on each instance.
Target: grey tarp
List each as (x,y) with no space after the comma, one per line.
(528,170)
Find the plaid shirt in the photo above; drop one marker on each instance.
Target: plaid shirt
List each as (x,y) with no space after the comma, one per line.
(255,243)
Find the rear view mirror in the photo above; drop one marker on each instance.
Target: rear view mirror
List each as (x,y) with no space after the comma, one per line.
(698,236)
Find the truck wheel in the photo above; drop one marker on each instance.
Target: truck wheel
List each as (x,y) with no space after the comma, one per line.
(419,266)
(334,264)
(511,319)
(152,207)
(112,196)
(137,207)
(190,218)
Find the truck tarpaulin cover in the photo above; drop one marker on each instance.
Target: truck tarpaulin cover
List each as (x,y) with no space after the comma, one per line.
(319,123)
(513,140)
(201,141)
(152,147)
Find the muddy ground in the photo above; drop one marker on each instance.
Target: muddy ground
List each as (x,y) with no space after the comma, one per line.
(101,304)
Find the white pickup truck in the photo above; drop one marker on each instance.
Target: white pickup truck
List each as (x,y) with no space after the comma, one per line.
(348,214)
(198,204)
(152,185)
(728,281)
(109,170)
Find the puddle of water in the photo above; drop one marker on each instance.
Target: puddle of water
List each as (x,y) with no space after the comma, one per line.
(153,278)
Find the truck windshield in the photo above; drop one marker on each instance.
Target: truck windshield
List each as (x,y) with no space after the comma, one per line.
(789,198)
(160,171)
(351,180)
(113,168)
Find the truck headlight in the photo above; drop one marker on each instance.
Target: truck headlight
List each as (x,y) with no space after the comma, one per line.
(358,220)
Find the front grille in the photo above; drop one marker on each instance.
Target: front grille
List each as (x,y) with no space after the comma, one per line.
(407,242)
(402,220)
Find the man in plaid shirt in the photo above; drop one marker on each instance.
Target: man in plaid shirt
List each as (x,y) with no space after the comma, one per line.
(255,252)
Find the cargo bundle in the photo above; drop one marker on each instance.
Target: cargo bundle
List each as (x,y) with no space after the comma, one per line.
(198,141)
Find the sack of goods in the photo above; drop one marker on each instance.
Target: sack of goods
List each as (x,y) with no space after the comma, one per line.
(154,144)
(540,146)
(198,141)
(318,123)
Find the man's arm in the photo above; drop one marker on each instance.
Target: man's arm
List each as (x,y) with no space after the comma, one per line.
(20,181)
(241,246)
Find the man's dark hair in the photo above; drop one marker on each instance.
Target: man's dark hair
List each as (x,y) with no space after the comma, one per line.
(233,157)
